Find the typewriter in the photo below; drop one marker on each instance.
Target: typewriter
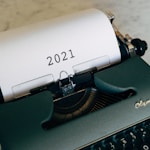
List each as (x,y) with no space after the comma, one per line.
(106,109)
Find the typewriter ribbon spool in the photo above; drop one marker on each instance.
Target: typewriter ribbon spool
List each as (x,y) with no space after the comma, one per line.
(33,57)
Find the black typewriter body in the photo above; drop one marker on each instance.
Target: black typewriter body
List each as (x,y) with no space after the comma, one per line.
(112,122)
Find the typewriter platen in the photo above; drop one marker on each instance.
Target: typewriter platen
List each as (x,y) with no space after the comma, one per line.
(96,116)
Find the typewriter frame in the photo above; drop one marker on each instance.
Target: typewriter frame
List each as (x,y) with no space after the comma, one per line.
(21,121)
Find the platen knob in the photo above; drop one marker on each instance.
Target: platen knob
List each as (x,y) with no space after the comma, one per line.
(141,46)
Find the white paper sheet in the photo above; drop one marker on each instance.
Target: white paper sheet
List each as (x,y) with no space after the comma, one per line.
(72,44)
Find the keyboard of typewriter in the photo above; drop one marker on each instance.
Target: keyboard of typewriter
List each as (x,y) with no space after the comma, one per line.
(136,137)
